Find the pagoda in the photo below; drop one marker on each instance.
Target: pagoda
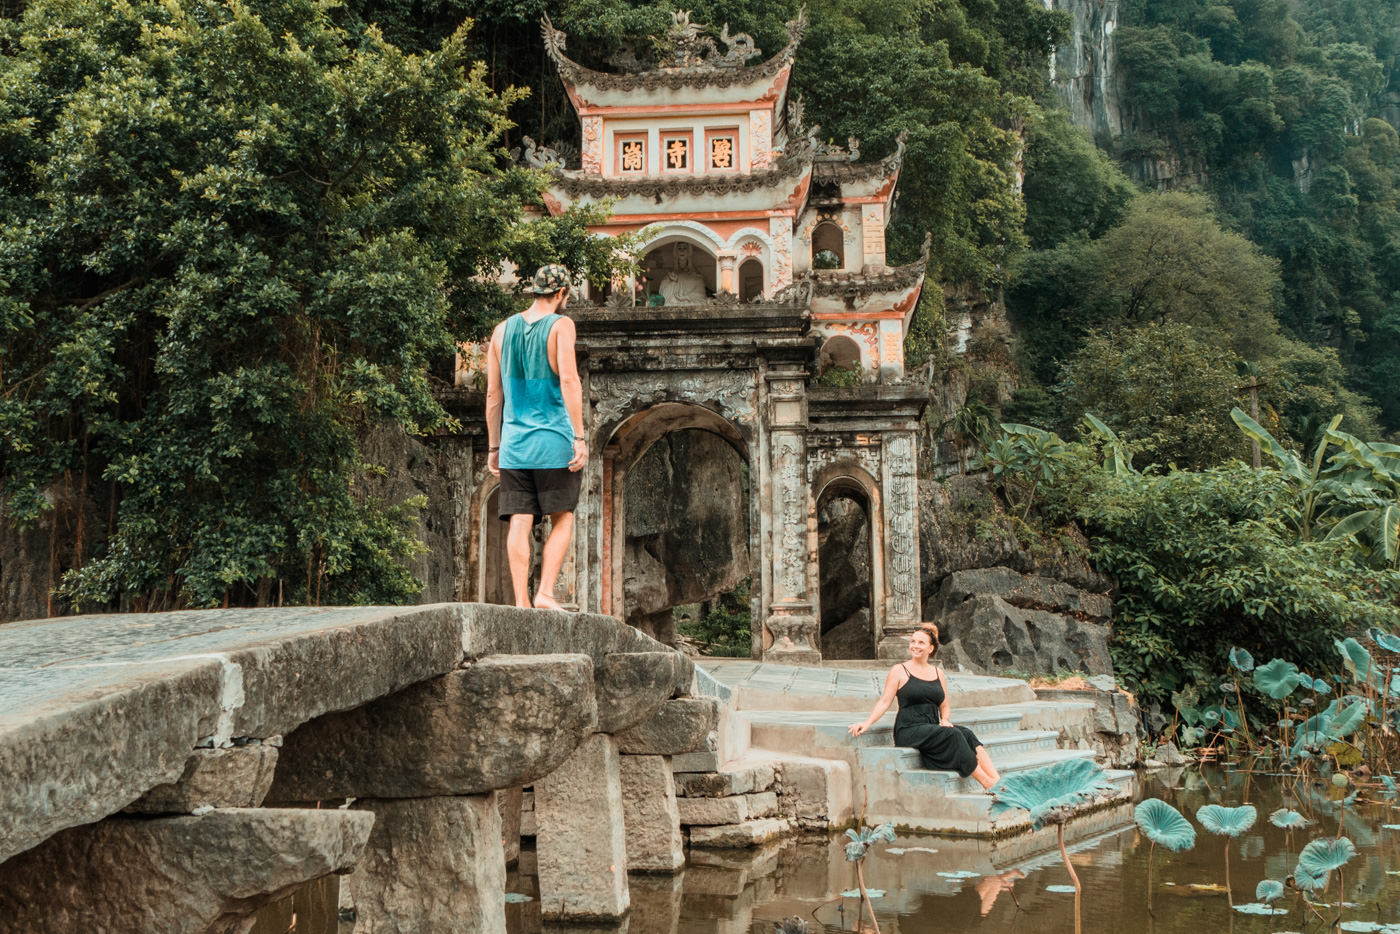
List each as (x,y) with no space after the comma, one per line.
(762,263)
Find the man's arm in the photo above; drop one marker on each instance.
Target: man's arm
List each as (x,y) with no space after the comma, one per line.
(495,398)
(570,385)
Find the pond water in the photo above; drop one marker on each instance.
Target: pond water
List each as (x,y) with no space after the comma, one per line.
(941,884)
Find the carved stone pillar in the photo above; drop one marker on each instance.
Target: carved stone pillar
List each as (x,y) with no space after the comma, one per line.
(791,624)
(727,282)
(899,478)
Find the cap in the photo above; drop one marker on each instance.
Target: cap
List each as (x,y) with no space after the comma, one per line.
(549,279)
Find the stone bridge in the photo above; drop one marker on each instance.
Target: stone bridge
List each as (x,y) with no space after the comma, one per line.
(174,772)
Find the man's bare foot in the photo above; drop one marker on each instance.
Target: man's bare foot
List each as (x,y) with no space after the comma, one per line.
(544,601)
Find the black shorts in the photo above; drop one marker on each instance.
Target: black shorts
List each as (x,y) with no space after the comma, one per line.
(538,492)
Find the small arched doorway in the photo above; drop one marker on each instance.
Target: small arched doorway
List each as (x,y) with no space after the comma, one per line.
(750,280)
(494,584)
(828,247)
(846,560)
(838,352)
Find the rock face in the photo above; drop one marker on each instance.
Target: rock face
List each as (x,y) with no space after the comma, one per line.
(1084,69)
(997,618)
(687,527)
(238,777)
(843,530)
(432,864)
(503,721)
(176,875)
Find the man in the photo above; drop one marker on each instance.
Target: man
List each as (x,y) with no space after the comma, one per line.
(534,423)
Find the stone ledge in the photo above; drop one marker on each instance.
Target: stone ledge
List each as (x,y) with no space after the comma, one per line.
(731,810)
(749,833)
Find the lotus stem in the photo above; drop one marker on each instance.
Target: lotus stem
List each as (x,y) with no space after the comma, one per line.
(865,897)
(1229,892)
(1152,851)
(1244,720)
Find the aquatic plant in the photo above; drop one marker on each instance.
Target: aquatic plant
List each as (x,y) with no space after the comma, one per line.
(1269,891)
(1318,860)
(860,843)
(1164,824)
(793,925)
(1229,823)
(1051,795)
(1286,819)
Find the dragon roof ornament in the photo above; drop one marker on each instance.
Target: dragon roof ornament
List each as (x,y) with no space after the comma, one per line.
(835,169)
(692,58)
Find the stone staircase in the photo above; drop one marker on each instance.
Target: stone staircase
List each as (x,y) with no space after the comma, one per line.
(794,720)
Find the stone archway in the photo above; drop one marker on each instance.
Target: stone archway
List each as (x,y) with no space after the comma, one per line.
(850,545)
(678,515)
(681,270)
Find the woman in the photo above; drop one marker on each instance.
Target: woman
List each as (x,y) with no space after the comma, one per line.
(925,720)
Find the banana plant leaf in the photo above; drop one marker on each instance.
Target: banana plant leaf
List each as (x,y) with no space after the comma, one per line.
(1048,792)
(1339,720)
(1325,854)
(1164,825)
(1230,822)
(1288,820)
(1241,659)
(1278,678)
(1269,891)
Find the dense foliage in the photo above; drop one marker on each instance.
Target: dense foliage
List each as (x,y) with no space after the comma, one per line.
(231,237)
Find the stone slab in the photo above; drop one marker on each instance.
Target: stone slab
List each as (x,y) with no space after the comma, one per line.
(432,864)
(236,777)
(749,833)
(680,725)
(580,842)
(650,816)
(632,686)
(731,810)
(175,875)
(510,800)
(740,781)
(501,722)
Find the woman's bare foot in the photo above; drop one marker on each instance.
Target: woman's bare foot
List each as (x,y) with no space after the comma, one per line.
(544,601)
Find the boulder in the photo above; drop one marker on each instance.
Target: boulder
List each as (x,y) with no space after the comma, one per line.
(432,864)
(176,875)
(237,777)
(503,721)
(652,821)
(632,686)
(680,725)
(580,841)
(843,530)
(852,638)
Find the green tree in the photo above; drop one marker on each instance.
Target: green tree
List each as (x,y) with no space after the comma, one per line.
(235,235)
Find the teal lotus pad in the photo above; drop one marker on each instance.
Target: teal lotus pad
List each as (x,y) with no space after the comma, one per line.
(1269,890)
(1042,791)
(516,898)
(1259,908)
(1278,678)
(960,874)
(1325,854)
(1164,825)
(1385,640)
(1285,819)
(1242,660)
(855,893)
(1230,822)
(1060,889)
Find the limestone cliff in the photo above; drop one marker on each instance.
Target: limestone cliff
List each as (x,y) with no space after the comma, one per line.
(1084,71)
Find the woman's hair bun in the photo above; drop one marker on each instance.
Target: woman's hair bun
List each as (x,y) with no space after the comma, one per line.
(931,629)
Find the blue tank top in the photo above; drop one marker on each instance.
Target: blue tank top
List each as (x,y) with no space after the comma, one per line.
(536,433)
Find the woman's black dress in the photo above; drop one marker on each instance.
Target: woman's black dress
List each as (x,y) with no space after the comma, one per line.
(940,747)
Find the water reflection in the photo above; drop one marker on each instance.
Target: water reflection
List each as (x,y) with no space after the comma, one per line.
(933,883)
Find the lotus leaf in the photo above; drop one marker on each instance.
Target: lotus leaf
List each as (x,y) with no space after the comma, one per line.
(1050,789)
(1307,881)
(1060,889)
(1231,822)
(1163,824)
(1325,854)
(1277,679)
(1242,660)
(1258,908)
(1356,659)
(1390,826)
(1389,783)
(517,898)
(869,893)
(1269,891)
(1385,640)
(1288,820)
(1331,724)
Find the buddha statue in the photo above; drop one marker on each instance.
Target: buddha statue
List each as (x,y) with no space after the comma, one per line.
(682,285)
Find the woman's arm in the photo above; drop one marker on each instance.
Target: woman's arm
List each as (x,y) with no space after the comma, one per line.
(945,709)
(892,683)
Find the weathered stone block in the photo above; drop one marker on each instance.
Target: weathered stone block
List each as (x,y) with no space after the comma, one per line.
(651,820)
(237,777)
(580,842)
(632,686)
(656,903)
(527,814)
(503,721)
(749,833)
(679,726)
(732,810)
(432,864)
(176,875)
(719,784)
(510,803)
(704,759)
(816,792)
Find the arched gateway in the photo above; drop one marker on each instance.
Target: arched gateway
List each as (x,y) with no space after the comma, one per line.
(705,153)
